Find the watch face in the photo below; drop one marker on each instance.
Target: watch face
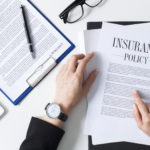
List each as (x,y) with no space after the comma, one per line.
(53,110)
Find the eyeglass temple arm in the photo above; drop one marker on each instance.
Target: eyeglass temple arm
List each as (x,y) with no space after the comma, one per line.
(71,6)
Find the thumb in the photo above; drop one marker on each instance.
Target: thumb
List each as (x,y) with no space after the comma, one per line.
(89,81)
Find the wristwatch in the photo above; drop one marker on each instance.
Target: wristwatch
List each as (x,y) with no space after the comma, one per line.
(54,111)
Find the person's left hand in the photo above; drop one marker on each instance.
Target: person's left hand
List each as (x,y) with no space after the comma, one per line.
(141,113)
(70,87)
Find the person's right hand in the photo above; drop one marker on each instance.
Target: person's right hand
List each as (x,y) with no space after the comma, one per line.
(141,114)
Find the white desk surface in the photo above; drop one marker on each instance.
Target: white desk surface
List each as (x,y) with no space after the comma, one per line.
(14,124)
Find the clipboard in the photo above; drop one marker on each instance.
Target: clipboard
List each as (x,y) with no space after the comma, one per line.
(119,145)
(45,68)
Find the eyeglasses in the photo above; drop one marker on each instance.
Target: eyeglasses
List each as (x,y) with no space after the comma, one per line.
(75,11)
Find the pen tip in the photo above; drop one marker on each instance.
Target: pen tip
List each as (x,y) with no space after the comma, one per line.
(33,55)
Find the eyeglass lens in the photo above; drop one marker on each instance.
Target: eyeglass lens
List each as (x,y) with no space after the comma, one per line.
(77,12)
(93,3)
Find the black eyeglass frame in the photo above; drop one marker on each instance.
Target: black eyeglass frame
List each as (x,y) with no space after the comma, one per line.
(65,13)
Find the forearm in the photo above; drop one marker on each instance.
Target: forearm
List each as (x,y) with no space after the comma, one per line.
(42,135)
(45,133)
(55,122)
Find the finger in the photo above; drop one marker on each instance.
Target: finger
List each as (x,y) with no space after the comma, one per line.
(89,81)
(148,106)
(141,105)
(137,115)
(83,63)
(73,61)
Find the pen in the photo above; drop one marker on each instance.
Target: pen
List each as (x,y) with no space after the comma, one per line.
(27,31)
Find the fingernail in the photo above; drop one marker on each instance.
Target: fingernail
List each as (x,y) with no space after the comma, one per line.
(96,72)
(135,92)
(91,53)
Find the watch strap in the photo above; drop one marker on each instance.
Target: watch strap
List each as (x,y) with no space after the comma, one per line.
(63,116)
(47,106)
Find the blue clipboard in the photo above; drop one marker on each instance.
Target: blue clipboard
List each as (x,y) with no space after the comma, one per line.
(29,89)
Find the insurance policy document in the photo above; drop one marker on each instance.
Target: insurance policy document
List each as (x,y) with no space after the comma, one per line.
(16,62)
(127,70)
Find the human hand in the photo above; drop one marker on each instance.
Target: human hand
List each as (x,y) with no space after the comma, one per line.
(141,114)
(70,87)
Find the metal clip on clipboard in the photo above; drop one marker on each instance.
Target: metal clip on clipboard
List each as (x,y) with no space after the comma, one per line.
(41,71)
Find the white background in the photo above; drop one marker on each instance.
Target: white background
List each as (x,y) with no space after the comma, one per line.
(14,124)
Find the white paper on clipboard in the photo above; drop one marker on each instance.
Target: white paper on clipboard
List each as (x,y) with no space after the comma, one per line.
(16,62)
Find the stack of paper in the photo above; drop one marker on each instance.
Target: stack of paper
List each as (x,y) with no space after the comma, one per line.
(122,56)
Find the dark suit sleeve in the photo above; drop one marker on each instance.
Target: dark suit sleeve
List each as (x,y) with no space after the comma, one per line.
(42,136)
